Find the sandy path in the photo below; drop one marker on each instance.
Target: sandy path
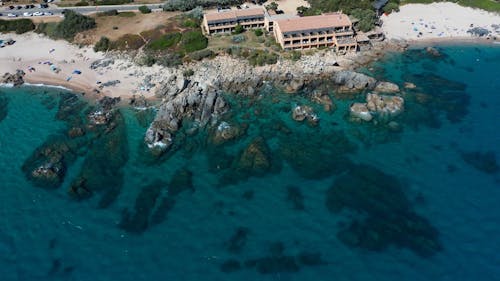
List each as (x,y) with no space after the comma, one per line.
(437,20)
(33,50)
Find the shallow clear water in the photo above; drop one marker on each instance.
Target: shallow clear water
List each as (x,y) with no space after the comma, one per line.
(258,222)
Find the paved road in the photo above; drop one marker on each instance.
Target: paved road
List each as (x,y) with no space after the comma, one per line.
(83,10)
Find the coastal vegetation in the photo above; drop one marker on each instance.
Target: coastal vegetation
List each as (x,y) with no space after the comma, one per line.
(186,5)
(18,25)
(361,10)
(72,24)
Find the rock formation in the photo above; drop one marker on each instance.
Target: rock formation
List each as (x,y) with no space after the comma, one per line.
(382,106)
(15,79)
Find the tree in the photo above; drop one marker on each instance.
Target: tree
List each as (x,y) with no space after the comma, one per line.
(238,29)
(258,32)
(390,7)
(72,24)
(366,19)
(273,6)
(301,10)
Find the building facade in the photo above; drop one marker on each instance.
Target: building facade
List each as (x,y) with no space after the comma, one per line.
(224,22)
(329,30)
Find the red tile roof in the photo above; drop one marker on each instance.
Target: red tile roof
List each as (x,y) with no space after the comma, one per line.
(234,15)
(314,22)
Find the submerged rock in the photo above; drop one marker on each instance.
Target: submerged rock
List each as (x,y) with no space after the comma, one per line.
(225,132)
(323,99)
(254,159)
(409,85)
(433,51)
(47,166)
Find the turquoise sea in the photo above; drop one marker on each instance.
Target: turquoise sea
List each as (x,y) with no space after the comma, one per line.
(343,200)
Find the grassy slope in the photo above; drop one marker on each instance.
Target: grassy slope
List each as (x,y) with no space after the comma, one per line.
(488,5)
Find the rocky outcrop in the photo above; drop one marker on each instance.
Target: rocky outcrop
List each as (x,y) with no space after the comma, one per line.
(225,132)
(359,110)
(382,106)
(386,87)
(15,79)
(193,100)
(350,81)
(304,112)
(323,99)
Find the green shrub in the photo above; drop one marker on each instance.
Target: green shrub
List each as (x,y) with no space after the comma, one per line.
(170,59)
(17,25)
(113,12)
(199,55)
(258,32)
(102,45)
(144,9)
(193,41)
(165,41)
(239,38)
(148,60)
(126,14)
(82,4)
(188,72)
(238,29)
(295,55)
(190,23)
(72,24)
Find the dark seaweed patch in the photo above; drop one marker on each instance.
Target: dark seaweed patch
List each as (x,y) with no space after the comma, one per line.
(238,240)
(4,101)
(138,221)
(386,215)
(230,265)
(102,169)
(317,157)
(483,161)
(295,197)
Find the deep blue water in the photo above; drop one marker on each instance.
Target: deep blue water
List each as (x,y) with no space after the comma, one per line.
(340,201)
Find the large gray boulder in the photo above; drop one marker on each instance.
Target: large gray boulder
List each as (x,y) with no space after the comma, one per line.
(351,81)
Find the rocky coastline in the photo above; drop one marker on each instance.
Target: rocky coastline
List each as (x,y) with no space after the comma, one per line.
(200,96)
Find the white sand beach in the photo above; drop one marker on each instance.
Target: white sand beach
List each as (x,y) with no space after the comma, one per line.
(443,20)
(32,50)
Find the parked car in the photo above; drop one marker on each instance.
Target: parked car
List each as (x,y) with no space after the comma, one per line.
(11,7)
(47,14)
(12,15)
(37,14)
(19,7)
(43,6)
(27,14)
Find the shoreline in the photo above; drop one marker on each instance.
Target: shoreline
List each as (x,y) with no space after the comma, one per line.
(86,90)
(454,41)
